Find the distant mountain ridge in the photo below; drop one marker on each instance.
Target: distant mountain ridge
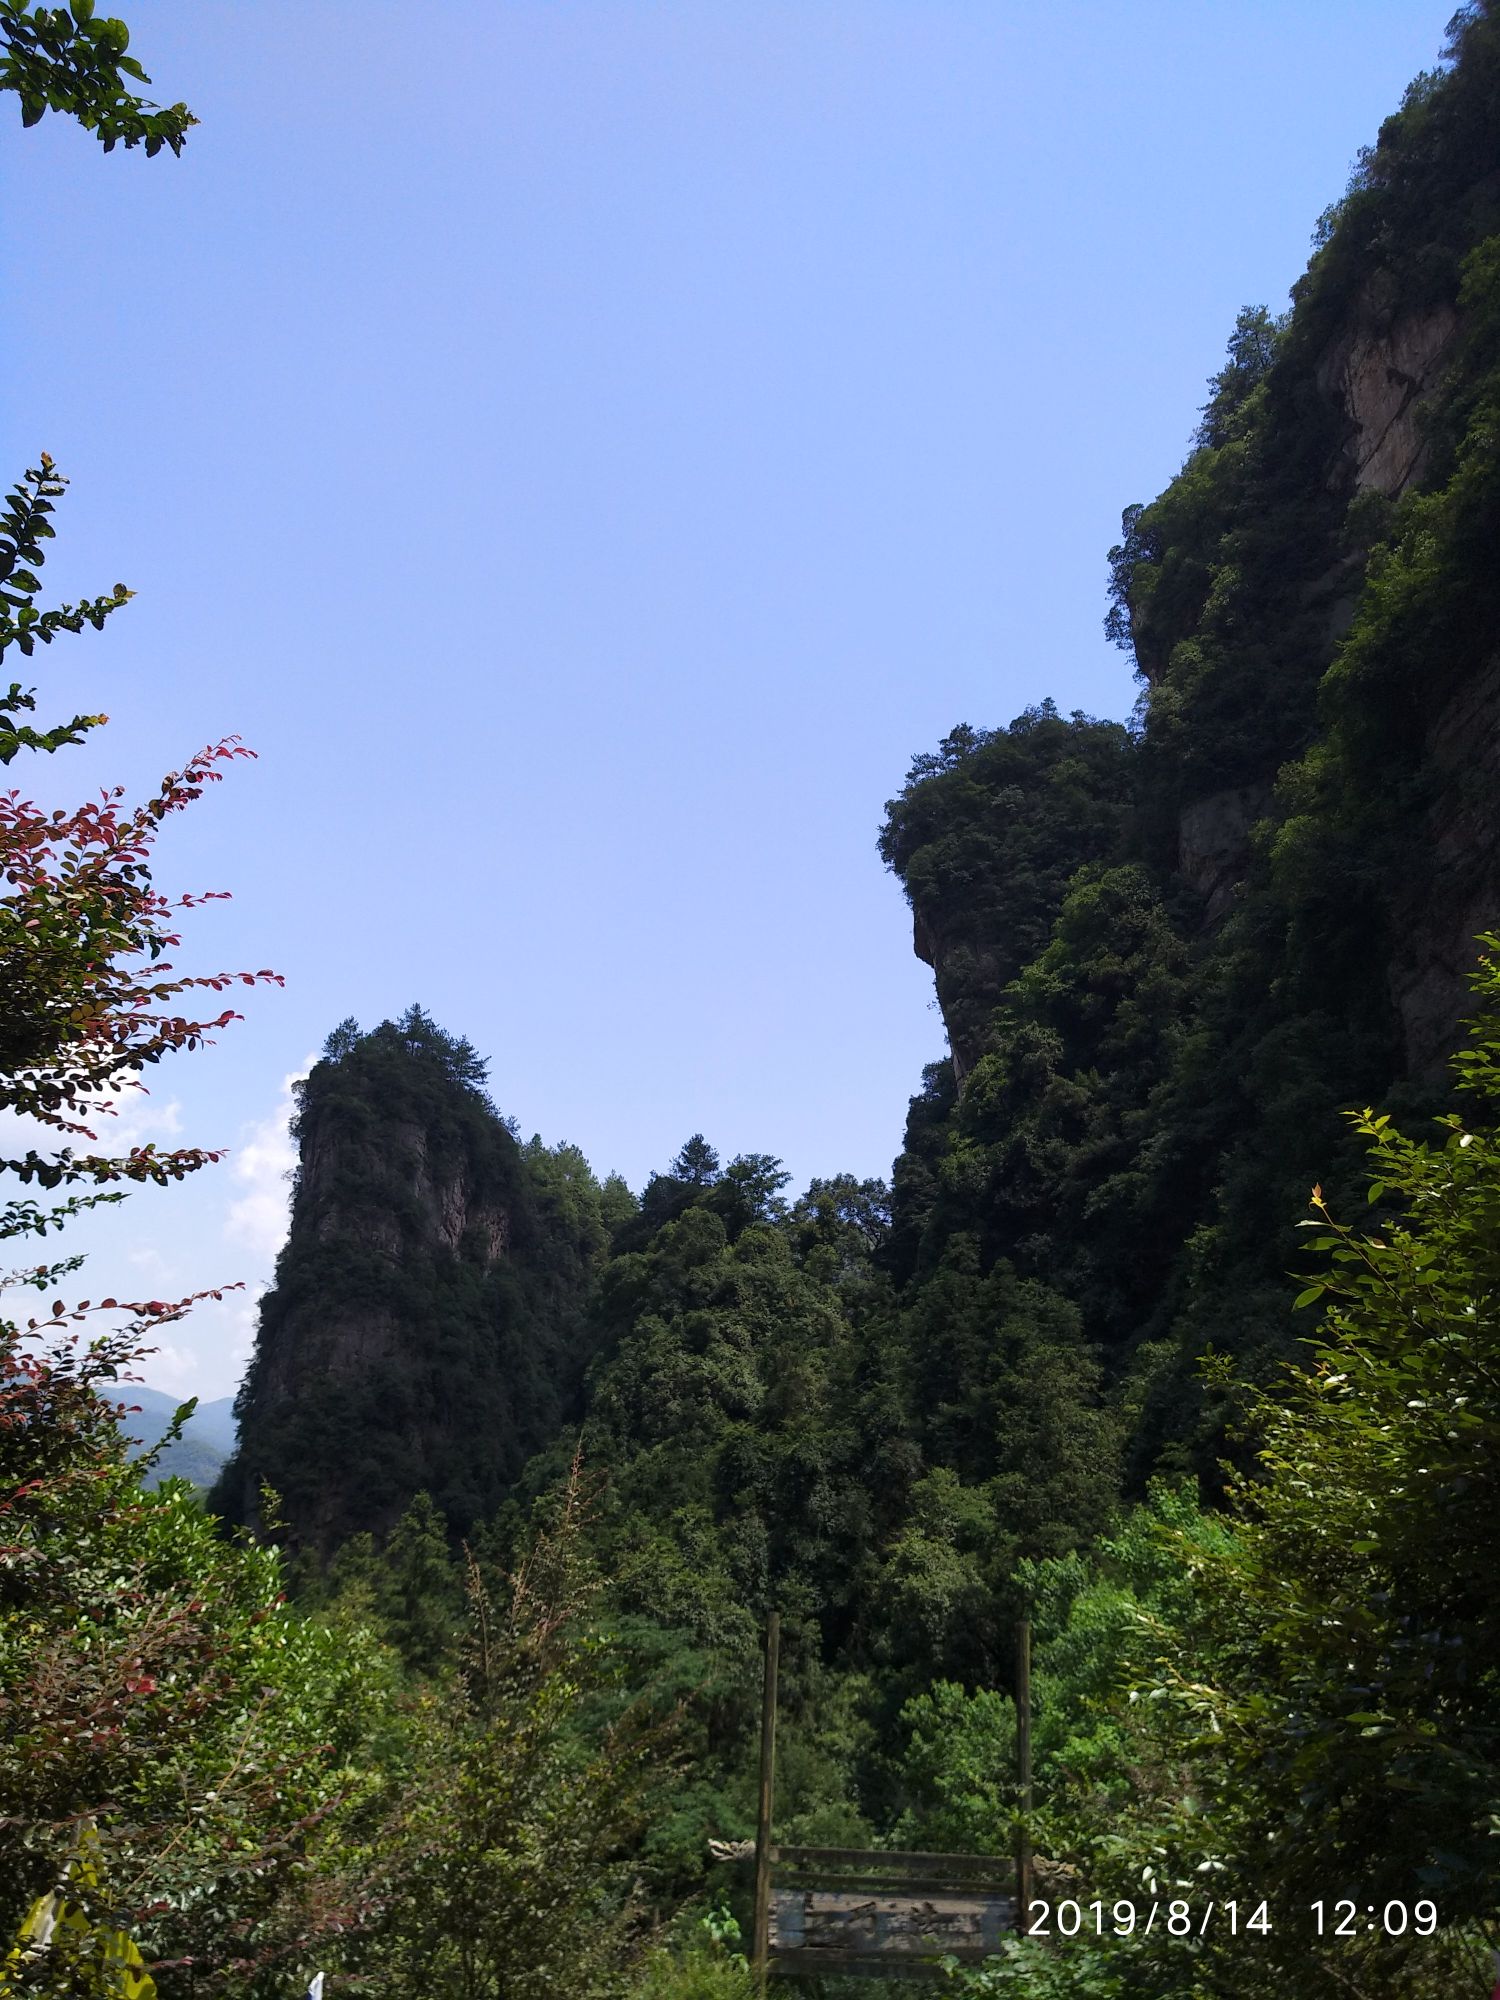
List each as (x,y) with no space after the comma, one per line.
(207,1438)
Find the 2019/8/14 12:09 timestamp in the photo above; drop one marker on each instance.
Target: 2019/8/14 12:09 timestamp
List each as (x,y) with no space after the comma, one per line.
(1183,1918)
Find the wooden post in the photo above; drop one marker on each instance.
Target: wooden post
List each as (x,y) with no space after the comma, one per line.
(761,1941)
(1023,1772)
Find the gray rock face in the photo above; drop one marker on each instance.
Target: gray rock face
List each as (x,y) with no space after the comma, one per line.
(1385,376)
(1214,844)
(425,1328)
(960,968)
(1383,371)
(1382,375)
(1459,895)
(423,1210)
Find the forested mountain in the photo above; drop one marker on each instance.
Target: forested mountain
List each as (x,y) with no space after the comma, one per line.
(541,1454)
(1167,954)
(1172,954)
(426,1328)
(1167,958)
(207,1440)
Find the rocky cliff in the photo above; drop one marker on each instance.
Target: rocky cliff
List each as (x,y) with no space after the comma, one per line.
(1160,992)
(1242,588)
(1383,370)
(424,1328)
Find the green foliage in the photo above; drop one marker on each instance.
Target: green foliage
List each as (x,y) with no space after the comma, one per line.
(697,1163)
(83,931)
(1047,1161)
(1007,1411)
(1420,196)
(1087,1968)
(452,1057)
(1093,1616)
(723,1406)
(985,836)
(511,1864)
(747,1191)
(708,1964)
(1354,1637)
(1252,349)
(154,1683)
(705,1970)
(1301,1691)
(838,1226)
(415,1600)
(74,61)
(263,1790)
(24,525)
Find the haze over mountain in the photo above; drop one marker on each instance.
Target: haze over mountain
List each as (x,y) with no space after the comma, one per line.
(207,1440)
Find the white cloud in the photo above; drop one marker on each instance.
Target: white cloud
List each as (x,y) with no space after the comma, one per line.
(222,1225)
(129,1117)
(173,1370)
(244,1318)
(138,1119)
(262,1164)
(152,1264)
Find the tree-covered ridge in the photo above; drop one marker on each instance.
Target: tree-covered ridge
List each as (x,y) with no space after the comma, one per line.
(426,1325)
(1223,1698)
(765,1420)
(1232,586)
(985,837)
(1154,1034)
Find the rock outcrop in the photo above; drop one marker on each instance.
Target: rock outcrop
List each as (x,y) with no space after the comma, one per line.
(1384,373)
(969,982)
(1369,397)
(1457,894)
(424,1329)
(1214,843)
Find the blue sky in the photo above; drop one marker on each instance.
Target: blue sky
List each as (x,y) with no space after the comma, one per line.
(587,450)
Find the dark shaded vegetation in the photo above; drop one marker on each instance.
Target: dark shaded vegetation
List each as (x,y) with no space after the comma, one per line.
(426,1325)
(1155,1048)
